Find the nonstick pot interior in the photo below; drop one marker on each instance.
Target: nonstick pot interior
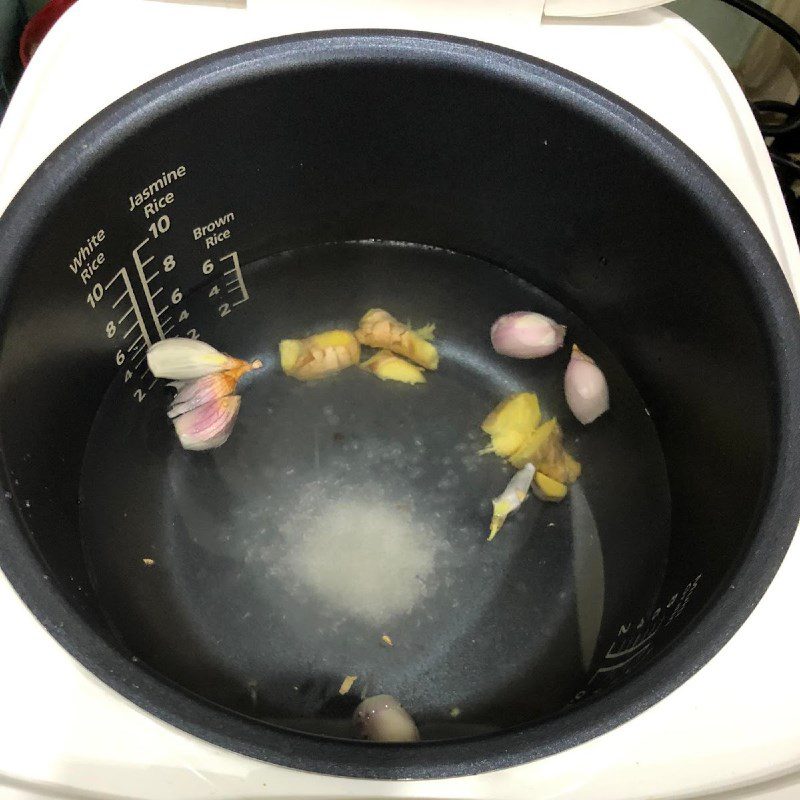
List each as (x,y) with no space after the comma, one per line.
(308,179)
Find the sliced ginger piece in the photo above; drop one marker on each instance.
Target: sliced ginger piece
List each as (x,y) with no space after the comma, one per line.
(544,448)
(540,444)
(378,328)
(390,367)
(511,424)
(545,488)
(426,332)
(319,355)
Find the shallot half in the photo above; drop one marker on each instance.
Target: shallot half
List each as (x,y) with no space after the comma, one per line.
(197,392)
(526,334)
(208,426)
(382,719)
(585,387)
(184,359)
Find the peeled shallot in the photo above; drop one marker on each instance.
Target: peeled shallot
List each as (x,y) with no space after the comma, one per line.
(526,334)
(585,387)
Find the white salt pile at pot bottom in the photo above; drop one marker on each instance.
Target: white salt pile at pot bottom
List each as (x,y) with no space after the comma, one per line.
(360,553)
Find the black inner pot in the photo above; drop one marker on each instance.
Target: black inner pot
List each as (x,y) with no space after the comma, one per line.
(285,187)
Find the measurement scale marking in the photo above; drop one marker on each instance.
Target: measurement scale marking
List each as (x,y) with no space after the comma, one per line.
(140,265)
(626,661)
(234,257)
(123,273)
(130,330)
(154,276)
(119,321)
(630,649)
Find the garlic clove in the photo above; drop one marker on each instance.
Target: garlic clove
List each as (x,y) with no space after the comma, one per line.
(184,359)
(209,425)
(192,394)
(511,498)
(585,387)
(382,719)
(526,334)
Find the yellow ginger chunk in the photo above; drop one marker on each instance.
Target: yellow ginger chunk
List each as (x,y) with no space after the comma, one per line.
(545,488)
(390,367)
(378,328)
(518,436)
(544,448)
(319,355)
(511,424)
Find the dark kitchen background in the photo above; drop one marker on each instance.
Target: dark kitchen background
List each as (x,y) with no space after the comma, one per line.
(766,64)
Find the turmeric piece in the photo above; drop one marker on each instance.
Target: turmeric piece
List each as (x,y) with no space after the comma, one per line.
(378,328)
(319,355)
(545,488)
(545,448)
(511,423)
(390,367)
(518,436)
